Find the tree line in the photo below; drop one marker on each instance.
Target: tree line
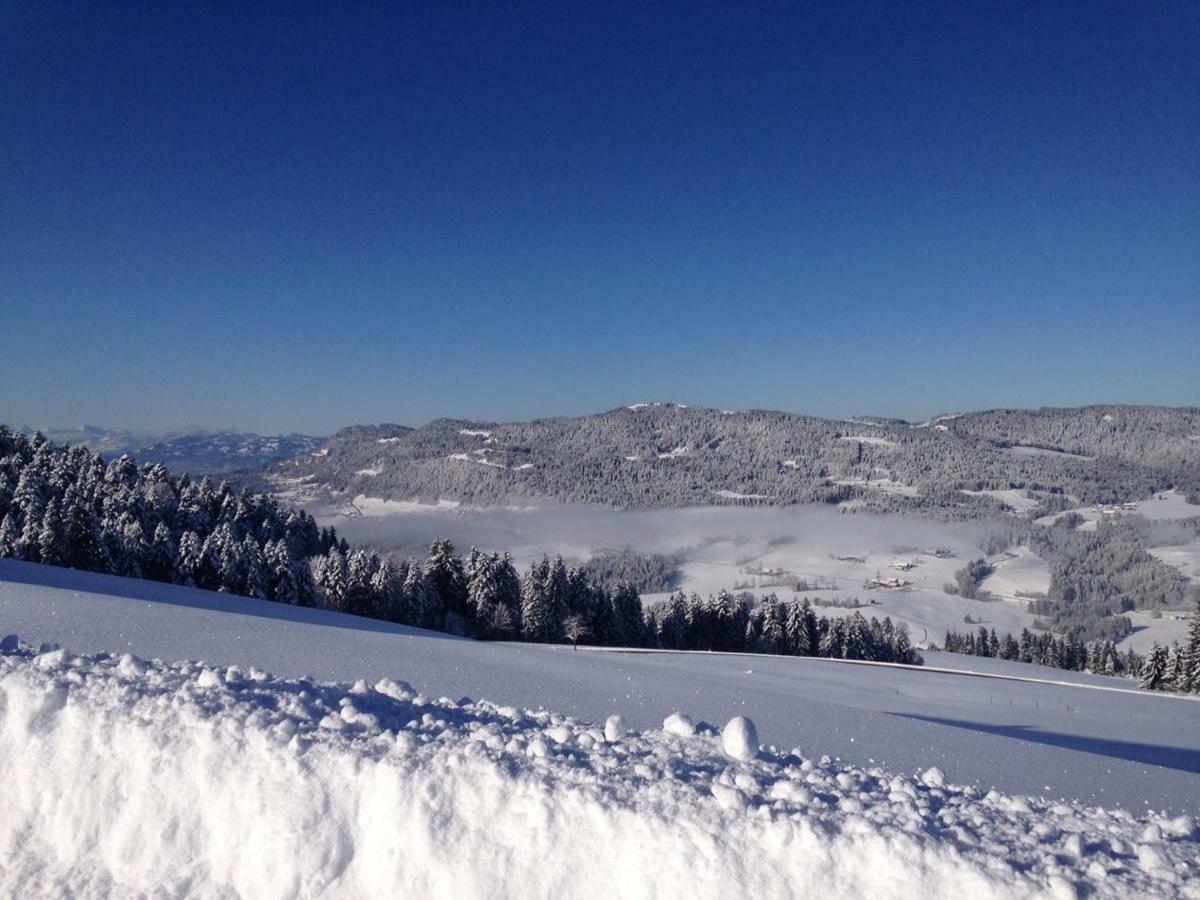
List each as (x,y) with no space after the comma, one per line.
(739,623)
(1177,669)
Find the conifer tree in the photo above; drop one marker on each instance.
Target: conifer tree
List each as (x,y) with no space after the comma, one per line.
(536,619)
(627,612)
(446,583)
(1154,671)
(1192,654)
(51,548)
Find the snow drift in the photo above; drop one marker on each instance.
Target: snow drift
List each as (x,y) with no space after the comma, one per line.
(128,777)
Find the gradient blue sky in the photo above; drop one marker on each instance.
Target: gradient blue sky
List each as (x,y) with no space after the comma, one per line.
(302,216)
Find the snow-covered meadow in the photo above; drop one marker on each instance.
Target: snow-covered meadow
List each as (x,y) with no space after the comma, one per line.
(1060,737)
(127,777)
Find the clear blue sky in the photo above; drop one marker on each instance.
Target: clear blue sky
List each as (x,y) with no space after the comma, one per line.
(302,216)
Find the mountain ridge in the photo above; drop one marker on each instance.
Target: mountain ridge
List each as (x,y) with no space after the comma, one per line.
(668,454)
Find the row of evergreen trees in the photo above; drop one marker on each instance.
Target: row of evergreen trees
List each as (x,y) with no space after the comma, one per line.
(482,597)
(1177,669)
(738,623)
(66,506)
(1161,670)
(1070,652)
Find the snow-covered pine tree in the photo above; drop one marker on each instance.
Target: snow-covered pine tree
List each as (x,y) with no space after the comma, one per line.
(161,554)
(833,641)
(253,575)
(857,644)
(446,583)
(283,586)
(1192,653)
(360,568)
(630,619)
(1154,670)
(508,597)
(557,591)
(482,592)
(188,558)
(537,622)
(413,595)
(771,637)
(8,536)
(794,638)
(902,651)
(1025,646)
(604,628)
(332,579)
(1174,676)
(51,549)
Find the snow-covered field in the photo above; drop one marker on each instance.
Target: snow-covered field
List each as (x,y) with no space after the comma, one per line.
(1184,557)
(128,777)
(1148,630)
(1018,571)
(1125,748)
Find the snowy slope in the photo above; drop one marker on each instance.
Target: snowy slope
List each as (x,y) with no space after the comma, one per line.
(1125,749)
(130,778)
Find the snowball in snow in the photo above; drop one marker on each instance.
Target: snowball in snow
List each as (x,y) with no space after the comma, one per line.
(729,797)
(739,738)
(614,729)
(679,724)
(933,777)
(130,666)
(210,678)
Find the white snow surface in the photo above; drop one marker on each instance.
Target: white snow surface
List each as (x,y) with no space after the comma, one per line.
(127,777)
(1119,748)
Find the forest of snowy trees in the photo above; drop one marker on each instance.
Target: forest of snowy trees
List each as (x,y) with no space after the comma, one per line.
(738,623)
(66,506)
(1070,652)
(669,455)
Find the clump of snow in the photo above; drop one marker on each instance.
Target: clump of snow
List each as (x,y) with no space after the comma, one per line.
(933,777)
(674,452)
(271,787)
(130,666)
(739,738)
(679,724)
(734,495)
(614,728)
(471,433)
(371,472)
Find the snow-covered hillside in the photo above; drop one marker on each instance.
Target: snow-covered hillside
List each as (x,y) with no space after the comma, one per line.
(1121,747)
(127,777)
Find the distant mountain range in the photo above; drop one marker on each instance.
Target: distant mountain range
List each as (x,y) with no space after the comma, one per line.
(195,452)
(664,454)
